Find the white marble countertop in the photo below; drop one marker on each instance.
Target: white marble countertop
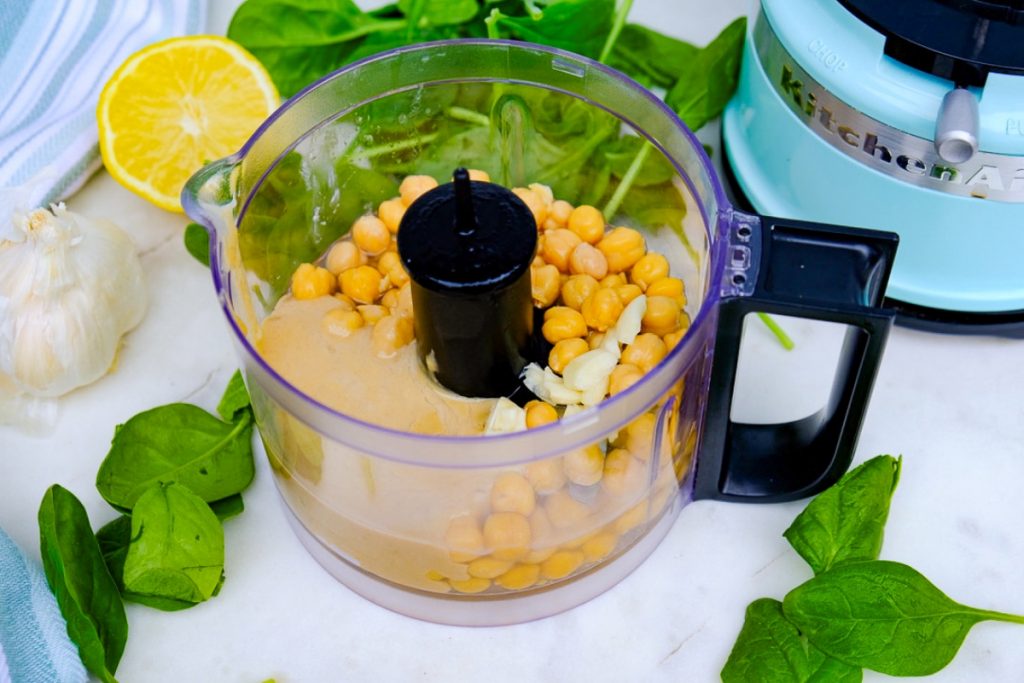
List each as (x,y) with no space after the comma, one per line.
(953,406)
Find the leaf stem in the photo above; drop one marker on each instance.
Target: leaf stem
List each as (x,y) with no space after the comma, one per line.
(776,329)
(999,616)
(577,156)
(396,146)
(627,181)
(468,116)
(536,13)
(492,23)
(620,20)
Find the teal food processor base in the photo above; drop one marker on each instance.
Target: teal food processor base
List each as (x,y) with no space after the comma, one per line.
(960,266)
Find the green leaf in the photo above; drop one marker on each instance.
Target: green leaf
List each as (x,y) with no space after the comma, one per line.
(177,443)
(847,521)
(229,507)
(86,593)
(883,616)
(197,243)
(650,57)
(579,26)
(769,649)
(708,79)
(621,153)
(235,401)
(114,538)
(438,12)
(176,555)
(299,41)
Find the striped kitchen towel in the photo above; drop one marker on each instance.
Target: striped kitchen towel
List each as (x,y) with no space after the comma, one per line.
(55,56)
(34,643)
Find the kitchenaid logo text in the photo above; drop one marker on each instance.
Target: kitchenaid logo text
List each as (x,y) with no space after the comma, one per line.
(980,179)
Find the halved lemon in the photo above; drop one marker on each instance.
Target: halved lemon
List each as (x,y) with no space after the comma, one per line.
(175,105)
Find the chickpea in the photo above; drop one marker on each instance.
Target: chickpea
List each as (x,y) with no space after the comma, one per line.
(413,186)
(470,585)
(586,258)
(391,333)
(587,222)
(534,203)
(342,256)
(640,436)
(371,235)
(584,466)
(341,322)
(387,261)
(623,247)
(488,567)
(631,518)
(564,511)
(649,268)
(372,313)
(538,260)
(544,192)
(546,475)
(623,475)
(662,315)
(538,414)
(623,377)
(508,535)
(565,326)
(404,307)
(519,577)
(670,287)
(544,285)
(511,492)
(398,275)
(479,176)
(645,352)
(627,293)
(345,303)
(542,532)
(361,283)
(559,213)
(558,247)
(561,564)
(311,282)
(391,212)
(390,299)
(565,351)
(576,289)
(599,547)
(464,539)
(558,312)
(672,339)
(595,339)
(602,309)
(613,281)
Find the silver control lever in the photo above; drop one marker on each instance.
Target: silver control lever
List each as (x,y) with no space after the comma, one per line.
(956,130)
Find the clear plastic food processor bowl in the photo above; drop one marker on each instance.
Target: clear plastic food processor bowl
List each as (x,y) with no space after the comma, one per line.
(396,515)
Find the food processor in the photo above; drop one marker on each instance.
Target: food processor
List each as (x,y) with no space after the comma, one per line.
(407,518)
(905,116)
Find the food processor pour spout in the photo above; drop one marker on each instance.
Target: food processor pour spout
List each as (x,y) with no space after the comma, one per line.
(468,246)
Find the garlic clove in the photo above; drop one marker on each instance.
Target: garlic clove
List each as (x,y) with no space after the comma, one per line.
(506,417)
(589,369)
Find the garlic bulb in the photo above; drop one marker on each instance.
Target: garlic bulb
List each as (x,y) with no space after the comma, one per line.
(70,287)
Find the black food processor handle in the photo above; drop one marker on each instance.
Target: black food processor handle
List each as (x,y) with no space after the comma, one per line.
(806,270)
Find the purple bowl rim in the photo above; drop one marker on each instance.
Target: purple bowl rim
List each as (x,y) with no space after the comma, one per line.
(715,265)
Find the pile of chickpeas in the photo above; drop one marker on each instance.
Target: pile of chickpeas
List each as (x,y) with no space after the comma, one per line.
(584,275)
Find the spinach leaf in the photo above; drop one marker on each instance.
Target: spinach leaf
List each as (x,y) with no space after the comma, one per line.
(769,648)
(234,404)
(197,243)
(229,507)
(86,593)
(884,616)
(176,555)
(707,80)
(847,521)
(650,57)
(577,25)
(177,443)
(298,41)
(114,538)
(425,13)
